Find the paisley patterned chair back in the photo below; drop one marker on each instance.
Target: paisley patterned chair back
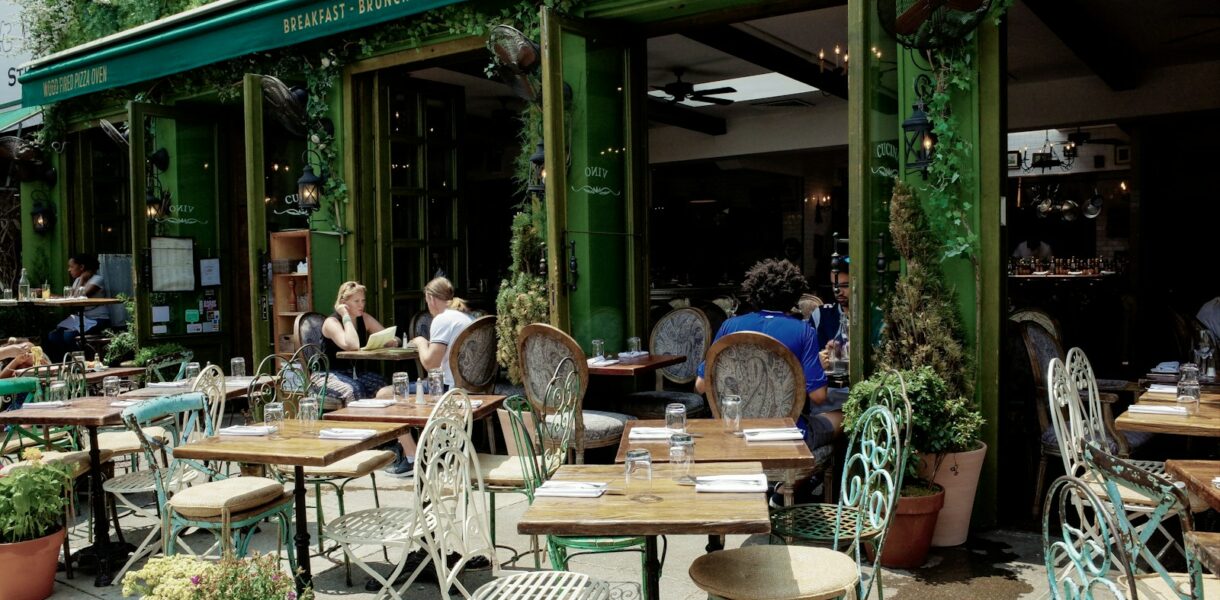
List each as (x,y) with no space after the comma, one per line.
(542,349)
(685,332)
(1042,347)
(761,370)
(473,356)
(308,330)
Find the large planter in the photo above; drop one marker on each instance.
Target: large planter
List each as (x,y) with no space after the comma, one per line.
(27,569)
(910,535)
(959,475)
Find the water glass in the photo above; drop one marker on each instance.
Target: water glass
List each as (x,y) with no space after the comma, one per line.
(273,416)
(110,386)
(58,392)
(8,293)
(730,412)
(237,367)
(638,472)
(675,417)
(67,291)
(681,455)
(1188,387)
(436,383)
(402,387)
(599,348)
(192,371)
(633,345)
(307,414)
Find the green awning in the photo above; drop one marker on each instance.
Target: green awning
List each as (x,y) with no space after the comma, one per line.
(11,118)
(183,44)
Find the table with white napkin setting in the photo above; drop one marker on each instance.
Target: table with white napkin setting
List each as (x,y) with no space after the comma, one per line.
(124,403)
(773,434)
(371,403)
(746,482)
(167,384)
(337,433)
(601,361)
(252,430)
(651,433)
(1158,409)
(628,355)
(1163,388)
(47,404)
(571,489)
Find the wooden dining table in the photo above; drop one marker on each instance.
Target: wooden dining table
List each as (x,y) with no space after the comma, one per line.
(235,387)
(90,412)
(669,509)
(383,354)
(1205,397)
(713,444)
(291,446)
(630,367)
(1205,423)
(416,415)
(1198,475)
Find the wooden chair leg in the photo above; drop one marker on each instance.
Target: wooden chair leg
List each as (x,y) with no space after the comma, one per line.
(1037,509)
(68,542)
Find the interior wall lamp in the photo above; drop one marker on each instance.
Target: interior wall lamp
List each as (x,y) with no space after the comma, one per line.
(309,186)
(43,215)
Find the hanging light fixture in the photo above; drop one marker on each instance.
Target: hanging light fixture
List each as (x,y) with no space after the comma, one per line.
(156,199)
(537,183)
(1047,158)
(43,216)
(309,185)
(920,141)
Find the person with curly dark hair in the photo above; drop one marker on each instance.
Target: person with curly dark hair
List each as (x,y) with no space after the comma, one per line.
(774,287)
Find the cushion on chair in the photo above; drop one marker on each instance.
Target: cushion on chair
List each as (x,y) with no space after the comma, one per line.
(356,465)
(126,442)
(651,404)
(601,425)
(1135,439)
(504,470)
(20,442)
(775,573)
(1154,587)
(235,494)
(78,459)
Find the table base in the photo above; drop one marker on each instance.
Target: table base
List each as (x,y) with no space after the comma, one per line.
(304,577)
(652,568)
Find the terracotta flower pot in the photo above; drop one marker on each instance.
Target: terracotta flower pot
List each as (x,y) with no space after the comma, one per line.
(27,569)
(959,475)
(910,535)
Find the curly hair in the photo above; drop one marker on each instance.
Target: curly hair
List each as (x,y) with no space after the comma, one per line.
(773,285)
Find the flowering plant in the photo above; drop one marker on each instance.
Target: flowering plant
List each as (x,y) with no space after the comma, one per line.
(32,498)
(184,577)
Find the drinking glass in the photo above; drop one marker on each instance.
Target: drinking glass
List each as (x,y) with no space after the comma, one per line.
(638,472)
(402,386)
(675,417)
(633,345)
(436,384)
(730,412)
(1188,387)
(237,367)
(681,455)
(192,371)
(273,416)
(8,293)
(599,348)
(67,291)
(1204,357)
(307,414)
(58,392)
(110,386)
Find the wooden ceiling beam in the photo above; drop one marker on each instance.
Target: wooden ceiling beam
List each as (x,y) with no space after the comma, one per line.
(660,111)
(1100,49)
(752,49)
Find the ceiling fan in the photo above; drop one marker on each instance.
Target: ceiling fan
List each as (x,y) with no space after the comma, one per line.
(681,91)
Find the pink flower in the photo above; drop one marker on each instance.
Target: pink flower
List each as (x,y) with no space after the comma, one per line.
(196,580)
(292,596)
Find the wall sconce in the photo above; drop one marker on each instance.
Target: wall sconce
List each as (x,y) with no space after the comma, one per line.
(920,141)
(309,186)
(538,173)
(156,199)
(43,216)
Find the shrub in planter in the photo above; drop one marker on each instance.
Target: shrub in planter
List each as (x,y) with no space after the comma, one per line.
(185,577)
(32,502)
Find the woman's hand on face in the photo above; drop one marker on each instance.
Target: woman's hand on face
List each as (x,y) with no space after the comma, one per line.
(342,310)
(23,361)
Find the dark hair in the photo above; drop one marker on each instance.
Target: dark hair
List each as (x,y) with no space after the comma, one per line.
(773,285)
(845,264)
(88,261)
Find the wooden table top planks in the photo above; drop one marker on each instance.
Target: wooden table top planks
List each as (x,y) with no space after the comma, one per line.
(1206,423)
(717,445)
(634,366)
(409,413)
(88,411)
(292,447)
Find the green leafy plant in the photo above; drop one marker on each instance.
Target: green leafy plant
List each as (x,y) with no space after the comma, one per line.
(33,498)
(185,577)
(523,297)
(125,342)
(151,353)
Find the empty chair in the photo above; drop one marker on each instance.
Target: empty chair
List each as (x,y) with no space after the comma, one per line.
(1086,556)
(170,367)
(473,357)
(684,332)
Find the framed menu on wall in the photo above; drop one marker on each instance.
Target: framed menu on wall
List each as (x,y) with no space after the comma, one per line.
(173,264)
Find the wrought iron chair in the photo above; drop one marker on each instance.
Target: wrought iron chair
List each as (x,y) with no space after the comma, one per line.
(229,508)
(55,382)
(771,383)
(1152,579)
(473,356)
(16,390)
(1085,556)
(866,509)
(541,347)
(817,522)
(685,332)
(171,367)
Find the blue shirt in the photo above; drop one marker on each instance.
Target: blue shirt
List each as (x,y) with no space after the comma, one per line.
(795,334)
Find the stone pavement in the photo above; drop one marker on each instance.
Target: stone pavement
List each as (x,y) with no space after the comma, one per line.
(996,565)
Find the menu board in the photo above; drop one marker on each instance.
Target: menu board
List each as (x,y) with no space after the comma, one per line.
(173,264)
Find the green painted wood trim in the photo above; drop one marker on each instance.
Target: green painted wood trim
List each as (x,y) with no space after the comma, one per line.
(256,214)
(139,219)
(639,191)
(556,181)
(858,87)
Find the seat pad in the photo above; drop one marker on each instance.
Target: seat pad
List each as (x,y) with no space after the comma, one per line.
(78,459)
(1135,439)
(126,442)
(775,573)
(235,494)
(504,470)
(651,404)
(356,465)
(601,425)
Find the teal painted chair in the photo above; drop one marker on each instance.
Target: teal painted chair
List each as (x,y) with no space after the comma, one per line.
(865,511)
(12,391)
(57,382)
(1081,544)
(227,507)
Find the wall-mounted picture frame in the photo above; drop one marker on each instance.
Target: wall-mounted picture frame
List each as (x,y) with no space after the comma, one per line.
(1122,155)
(1014,159)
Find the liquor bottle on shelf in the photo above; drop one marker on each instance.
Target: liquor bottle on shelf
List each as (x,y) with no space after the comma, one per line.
(292,295)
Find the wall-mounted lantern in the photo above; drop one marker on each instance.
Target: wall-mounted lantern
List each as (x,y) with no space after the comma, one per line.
(309,186)
(43,217)
(538,172)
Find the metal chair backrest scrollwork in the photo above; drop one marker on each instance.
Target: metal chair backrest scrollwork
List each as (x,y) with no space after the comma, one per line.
(190,410)
(70,374)
(211,383)
(455,406)
(473,356)
(686,332)
(548,353)
(170,367)
(1066,415)
(307,373)
(872,476)
(1168,500)
(1082,557)
(262,388)
(1080,374)
(761,370)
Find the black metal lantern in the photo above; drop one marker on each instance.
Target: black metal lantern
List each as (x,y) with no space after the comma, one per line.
(155,199)
(538,173)
(920,141)
(309,186)
(43,217)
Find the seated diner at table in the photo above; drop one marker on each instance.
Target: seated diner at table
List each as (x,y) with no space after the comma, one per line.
(450,316)
(87,282)
(774,287)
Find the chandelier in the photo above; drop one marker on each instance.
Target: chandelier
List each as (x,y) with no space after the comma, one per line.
(1047,158)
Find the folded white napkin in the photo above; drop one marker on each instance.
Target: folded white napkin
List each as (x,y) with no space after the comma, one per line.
(124,403)
(629,355)
(749,482)
(776,434)
(1170,366)
(370,403)
(651,433)
(601,361)
(346,434)
(238,380)
(167,384)
(571,489)
(247,430)
(1153,409)
(49,404)
(1163,388)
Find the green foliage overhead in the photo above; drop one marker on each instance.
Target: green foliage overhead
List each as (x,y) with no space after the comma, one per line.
(32,499)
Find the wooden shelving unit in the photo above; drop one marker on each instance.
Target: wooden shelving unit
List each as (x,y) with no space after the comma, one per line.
(292,292)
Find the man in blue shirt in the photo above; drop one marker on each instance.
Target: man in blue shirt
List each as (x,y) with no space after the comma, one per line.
(828,318)
(773,286)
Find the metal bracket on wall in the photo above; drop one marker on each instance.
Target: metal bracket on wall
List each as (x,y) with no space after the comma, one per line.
(573,269)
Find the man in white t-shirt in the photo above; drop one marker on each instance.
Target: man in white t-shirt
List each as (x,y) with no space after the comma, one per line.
(449,319)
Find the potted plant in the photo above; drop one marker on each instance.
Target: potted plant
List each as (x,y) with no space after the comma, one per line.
(924,338)
(32,502)
(123,345)
(186,577)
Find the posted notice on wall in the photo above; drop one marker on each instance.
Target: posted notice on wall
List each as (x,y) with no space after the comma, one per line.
(209,271)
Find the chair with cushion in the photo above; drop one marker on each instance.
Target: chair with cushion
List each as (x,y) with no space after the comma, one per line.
(13,391)
(55,382)
(170,367)
(866,509)
(541,347)
(684,332)
(771,383)
(473,357)
(229,508)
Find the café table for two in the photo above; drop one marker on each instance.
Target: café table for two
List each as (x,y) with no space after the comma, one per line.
(1166,416)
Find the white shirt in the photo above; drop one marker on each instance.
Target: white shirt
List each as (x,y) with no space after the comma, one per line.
(445,328)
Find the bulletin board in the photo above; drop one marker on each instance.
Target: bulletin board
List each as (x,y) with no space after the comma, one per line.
(173,264)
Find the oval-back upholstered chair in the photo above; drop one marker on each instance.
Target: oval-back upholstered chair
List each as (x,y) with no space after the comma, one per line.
(541,347)
(686,332)
(473,357)
(761,370)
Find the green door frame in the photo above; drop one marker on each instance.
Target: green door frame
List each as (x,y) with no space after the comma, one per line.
(256,217)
